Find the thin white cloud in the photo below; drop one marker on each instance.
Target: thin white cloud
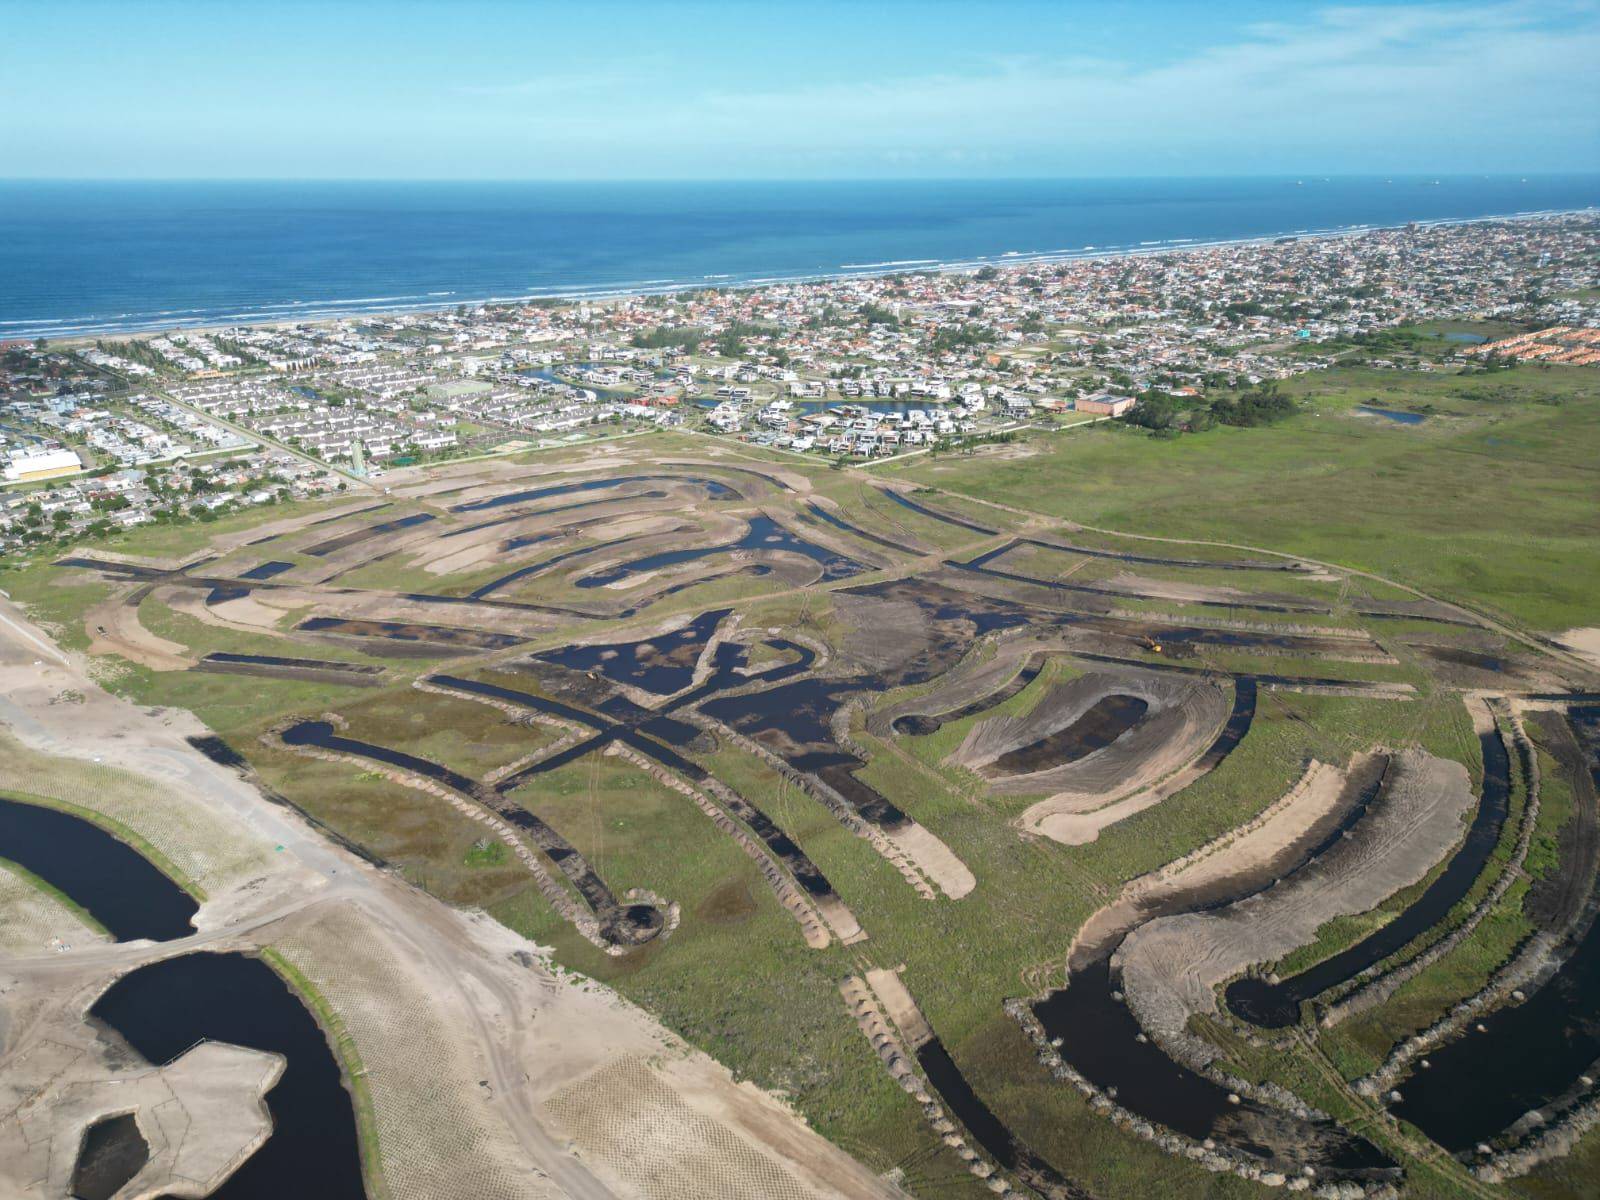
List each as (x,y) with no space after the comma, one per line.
(1417,83)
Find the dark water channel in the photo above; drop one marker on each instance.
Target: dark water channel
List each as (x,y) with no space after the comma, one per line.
(112,881)
(906,501)
(163,1009)
(1277,1005)
(1527,1055)
(1102,1039)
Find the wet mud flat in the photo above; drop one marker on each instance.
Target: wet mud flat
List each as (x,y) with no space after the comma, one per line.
(274,667)
(1277,1005)
(661,665)
(357,536)
(1106,720)
(1529,1056)
(763,535)
(109,879)
(163,1009)
(443,636)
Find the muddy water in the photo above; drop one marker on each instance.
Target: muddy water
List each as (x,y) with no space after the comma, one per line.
(267,570)
(116,884)
(1276,1006)
(1528,1056)
(405,631)
(1106,720)
(163,1009)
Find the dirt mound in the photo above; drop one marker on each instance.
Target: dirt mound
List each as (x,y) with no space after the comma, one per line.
(1171,967)
(1096,738)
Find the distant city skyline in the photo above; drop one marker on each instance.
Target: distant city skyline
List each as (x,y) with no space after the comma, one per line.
(483,89)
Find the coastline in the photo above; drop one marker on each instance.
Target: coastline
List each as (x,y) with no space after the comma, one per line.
(292,313)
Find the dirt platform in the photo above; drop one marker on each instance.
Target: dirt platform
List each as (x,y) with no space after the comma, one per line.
(1171,967)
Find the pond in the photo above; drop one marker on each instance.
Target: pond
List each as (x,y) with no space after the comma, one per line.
(1524,1056)
(1392,414)
(114,883)
(163,1009)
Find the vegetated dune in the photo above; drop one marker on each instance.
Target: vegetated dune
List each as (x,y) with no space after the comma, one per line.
(1171,967)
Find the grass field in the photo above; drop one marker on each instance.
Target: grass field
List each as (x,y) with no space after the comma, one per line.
(1493,501)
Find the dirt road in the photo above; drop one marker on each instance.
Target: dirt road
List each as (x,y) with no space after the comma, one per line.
(464,1029)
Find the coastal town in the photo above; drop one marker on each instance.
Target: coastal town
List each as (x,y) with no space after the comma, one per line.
(122,431)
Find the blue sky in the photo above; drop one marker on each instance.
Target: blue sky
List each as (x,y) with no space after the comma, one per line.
(481,89)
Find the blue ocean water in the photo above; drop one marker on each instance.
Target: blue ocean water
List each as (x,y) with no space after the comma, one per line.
(85,257)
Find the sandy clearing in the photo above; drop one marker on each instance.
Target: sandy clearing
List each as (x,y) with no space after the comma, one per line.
(1583,641)
(32,921)
(439,1138)
(230,614)
(114,627)
(901,1008)
(672,1141)
(227,542)
(934,859)
(201,1116)
(1171,967)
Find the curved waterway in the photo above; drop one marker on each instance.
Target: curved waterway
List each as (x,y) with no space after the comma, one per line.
(1104,1042)
(109,879)
(1277,1005)
(163,1009)
(1526,1056)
